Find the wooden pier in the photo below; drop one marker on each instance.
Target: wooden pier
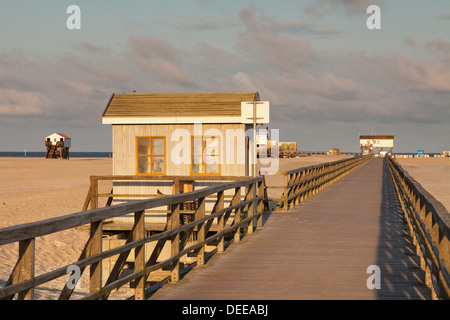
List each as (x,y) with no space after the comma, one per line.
(320,250)
(333,223)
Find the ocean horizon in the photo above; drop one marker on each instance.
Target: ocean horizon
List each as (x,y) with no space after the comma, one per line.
(42,154)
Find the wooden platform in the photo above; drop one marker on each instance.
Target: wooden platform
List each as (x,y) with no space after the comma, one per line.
(320,250)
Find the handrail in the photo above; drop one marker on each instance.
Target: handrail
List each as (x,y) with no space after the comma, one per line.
(302,183)
(247,217)
(93,195)
(429,225)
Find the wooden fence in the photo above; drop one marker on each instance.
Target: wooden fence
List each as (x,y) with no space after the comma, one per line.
(247,216)
(429,225)
(302,183)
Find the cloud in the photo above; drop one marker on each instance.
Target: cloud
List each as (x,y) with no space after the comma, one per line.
(22,103)
(258,40)
(160,59)
(410,42)
(445,17)
(320,8)
(439,45)
(90,48)
(300,28)
(403,73)
(204,24)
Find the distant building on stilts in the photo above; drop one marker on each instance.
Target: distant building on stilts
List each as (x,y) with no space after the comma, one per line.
(57,145)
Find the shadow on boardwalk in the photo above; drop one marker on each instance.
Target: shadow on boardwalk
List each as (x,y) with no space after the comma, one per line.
(401,276)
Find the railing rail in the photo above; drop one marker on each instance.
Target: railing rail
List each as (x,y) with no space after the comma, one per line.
(302,183)
(93,195)
(429,225)
(247,217)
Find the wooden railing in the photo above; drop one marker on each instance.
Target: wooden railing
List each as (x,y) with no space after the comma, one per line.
(302,183)
(246,218)
(93,195)
(429,226)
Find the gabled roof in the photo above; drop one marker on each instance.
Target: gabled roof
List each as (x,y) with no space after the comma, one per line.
(59,134)
(175,105)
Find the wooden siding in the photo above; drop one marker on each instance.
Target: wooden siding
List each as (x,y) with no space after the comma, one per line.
(124,147)
(124,160)
(181,104)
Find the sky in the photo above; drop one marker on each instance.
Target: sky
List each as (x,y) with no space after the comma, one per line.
(328,77)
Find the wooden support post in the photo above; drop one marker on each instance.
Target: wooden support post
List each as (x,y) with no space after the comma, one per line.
(251,207)
(95,281)
(96,232)
(139,254)
(260,206)
(200,214)
(174,223)
(26,268)
(297,189)
(220,221)
(286,192)
(94,189)
(444,249)
(176,186)
(237,214)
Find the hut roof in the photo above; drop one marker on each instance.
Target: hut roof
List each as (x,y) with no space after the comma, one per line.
(170,105)
(59,134)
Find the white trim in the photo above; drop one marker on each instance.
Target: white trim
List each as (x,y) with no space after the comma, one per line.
(169,120)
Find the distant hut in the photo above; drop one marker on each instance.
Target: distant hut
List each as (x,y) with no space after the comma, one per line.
(334,151)
(57,145)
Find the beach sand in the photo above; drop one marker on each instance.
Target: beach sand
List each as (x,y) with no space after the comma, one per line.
(433,174)
(34,189)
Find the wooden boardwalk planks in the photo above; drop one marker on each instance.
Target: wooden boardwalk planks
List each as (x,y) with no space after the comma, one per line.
(320,250)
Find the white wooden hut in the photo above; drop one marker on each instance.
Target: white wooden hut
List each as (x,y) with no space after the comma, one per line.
(181,134)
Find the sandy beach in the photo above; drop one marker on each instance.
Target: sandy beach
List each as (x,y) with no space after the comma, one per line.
(34,189)
(433,174)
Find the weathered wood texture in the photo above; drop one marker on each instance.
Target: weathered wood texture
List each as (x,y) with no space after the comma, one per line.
(429,226)
(319,250)
(230,148)
(23,281)
(193,104)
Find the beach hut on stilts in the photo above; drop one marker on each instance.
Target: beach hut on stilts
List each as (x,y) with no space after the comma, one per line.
(57,145)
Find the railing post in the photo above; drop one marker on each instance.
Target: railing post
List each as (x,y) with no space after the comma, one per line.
(94,198)
(27,267)
(139,254)
(96,232)
(200,214)
(220,221)
(297,188)
(251,207)
(286,191)
(237,213)
(174,223)
(444,256)
(260,206)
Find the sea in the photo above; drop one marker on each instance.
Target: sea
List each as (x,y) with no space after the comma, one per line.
(42,154)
